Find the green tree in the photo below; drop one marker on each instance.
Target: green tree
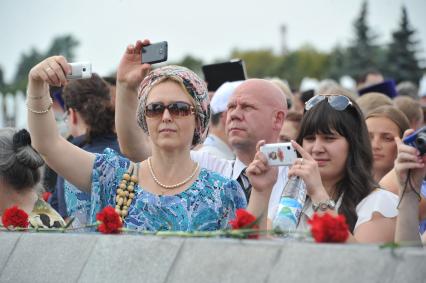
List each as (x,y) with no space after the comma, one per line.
(259,63)
(2,83)
(337,63)
(26,62)
(62,45)
(192,63)
(304,62)
(402,63)
(362,53)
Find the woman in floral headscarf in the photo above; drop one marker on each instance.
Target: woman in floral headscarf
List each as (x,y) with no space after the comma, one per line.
(167,191)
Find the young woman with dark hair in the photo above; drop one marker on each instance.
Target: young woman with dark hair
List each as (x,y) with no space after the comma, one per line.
(336,167)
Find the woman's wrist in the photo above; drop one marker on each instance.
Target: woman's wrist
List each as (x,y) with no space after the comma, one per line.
(263,195)
(38,98)
(319,195)
(125,89)
(39,109)
(409,193)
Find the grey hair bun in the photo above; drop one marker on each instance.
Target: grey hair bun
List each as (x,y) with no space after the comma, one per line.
(19,162)
(25,154)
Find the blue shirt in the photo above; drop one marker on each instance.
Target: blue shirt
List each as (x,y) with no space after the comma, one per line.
(208,204)
(67,199)
(422,227)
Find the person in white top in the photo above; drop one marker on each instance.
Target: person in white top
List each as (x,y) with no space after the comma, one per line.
(336,167)
(255,111)
(216,142)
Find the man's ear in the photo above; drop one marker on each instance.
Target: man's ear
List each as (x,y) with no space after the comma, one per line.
(279,118)
(72,116)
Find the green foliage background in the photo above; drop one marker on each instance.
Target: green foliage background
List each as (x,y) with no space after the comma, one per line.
(398,59)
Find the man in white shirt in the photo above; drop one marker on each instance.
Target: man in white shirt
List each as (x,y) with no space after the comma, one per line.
(256,111)
(216,142)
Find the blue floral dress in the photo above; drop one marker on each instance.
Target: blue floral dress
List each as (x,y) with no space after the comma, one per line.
(208,204)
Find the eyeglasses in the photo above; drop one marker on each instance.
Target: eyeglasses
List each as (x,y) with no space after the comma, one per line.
(156,109)
(338,102)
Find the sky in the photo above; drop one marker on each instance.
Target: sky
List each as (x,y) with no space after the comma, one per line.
(205,29)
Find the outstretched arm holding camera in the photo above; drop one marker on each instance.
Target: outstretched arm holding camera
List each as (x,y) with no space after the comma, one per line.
(73,163)
(407,176)
(130,73)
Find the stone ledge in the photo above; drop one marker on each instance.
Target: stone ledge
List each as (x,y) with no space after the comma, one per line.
(45,257)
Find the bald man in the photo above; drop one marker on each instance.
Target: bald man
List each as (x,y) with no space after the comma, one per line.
(256,111)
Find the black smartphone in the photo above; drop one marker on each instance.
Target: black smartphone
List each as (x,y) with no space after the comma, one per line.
(154,53)
(217,74)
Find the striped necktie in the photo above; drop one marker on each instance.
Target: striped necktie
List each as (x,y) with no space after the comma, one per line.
(245,184)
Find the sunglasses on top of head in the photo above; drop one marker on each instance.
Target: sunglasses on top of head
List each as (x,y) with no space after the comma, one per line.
(338,102)
(176,109)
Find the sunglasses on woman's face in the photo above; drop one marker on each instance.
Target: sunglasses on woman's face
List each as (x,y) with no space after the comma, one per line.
(338,102)
(176,109)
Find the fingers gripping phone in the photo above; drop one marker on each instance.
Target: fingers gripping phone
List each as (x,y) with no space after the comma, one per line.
(154,53)
(279,154)
(80,70)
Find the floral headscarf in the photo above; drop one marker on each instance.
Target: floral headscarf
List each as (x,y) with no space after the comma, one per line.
(196,88)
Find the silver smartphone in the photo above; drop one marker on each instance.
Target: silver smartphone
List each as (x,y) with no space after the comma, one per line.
(80,70)
(279,154)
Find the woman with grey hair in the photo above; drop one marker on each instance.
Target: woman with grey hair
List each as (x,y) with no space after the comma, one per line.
(168,191)
(20,174)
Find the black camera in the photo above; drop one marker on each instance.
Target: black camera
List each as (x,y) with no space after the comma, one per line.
(417,140)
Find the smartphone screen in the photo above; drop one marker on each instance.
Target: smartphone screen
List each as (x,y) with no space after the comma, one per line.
(154,53)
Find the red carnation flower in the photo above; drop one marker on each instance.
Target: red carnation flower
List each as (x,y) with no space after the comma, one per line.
(244,220)
(46,196)
(15,217)
(327,228)
(110,221)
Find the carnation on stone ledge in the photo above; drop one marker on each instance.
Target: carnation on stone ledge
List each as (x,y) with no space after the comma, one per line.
(244,220)
(327,228)
(110,221)
(15,217)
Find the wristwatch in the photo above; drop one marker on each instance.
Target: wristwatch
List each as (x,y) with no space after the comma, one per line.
(324,205)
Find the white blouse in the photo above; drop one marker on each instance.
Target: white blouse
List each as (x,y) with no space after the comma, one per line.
(381,201)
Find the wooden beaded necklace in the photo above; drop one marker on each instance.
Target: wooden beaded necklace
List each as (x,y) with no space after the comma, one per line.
(126,190)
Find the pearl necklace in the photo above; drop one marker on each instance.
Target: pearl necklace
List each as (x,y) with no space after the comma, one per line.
(171,186)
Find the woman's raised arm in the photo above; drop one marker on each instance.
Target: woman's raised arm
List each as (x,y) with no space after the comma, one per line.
(73,163)
(133,141)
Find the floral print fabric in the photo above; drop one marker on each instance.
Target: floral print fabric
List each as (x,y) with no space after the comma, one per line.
(208,204)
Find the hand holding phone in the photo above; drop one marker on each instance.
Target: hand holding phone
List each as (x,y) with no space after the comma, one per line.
(279,154)
(154,53)
(80,70)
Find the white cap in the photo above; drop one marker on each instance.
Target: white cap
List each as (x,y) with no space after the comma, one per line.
(220,98)
(308,84)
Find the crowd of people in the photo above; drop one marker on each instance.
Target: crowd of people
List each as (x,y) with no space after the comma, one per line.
(167,157)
